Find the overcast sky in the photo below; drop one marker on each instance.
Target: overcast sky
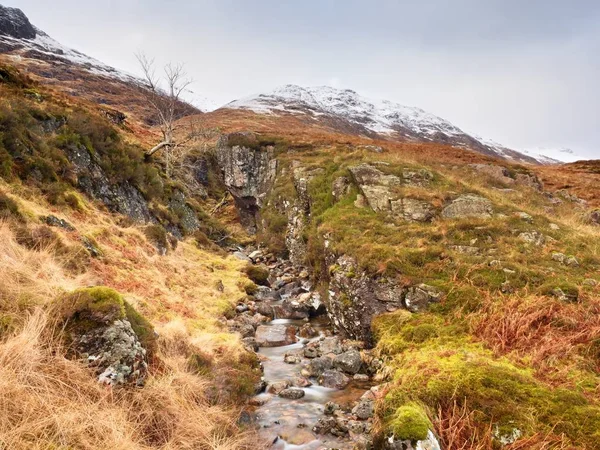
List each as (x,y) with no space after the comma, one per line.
(525,73)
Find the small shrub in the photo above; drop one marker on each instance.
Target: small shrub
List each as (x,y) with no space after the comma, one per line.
(157,235)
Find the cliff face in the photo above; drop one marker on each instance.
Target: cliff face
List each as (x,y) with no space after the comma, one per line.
(14,23)
(248,171)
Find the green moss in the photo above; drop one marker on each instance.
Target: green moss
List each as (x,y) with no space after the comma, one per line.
(142,327)
(571,290)
(249,287)
(345,300)
(437,374)
(88,308)
(409,422)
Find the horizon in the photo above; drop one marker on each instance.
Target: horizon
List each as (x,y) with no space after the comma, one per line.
(492,101)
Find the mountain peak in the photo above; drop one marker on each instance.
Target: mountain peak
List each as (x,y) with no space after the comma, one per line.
(14,23)
(348,111)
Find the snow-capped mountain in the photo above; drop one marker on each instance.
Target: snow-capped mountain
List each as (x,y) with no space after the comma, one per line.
(346,110)
(554,154)
(26,44)
(18,35)
(380,116)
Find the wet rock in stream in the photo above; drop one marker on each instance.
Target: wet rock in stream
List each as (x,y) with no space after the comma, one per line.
(275,335)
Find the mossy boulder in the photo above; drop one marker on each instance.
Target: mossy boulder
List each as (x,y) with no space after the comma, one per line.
(258,274)
(409,422)
(107,332)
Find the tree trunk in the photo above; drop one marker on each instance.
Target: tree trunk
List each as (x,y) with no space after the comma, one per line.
(158,147)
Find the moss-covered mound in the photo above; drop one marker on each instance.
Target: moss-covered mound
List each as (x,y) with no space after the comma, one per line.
(258,274)
(437,365)
(87,309)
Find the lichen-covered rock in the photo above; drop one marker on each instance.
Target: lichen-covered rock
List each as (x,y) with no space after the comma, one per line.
(341,186)
(594,217)
(533,237)
(349,362)
(417,177)
(465,249)
(54,221)
(118,197)
(292,393)
(494,171)
(355,297)
(365,409)
(188,220)
(419,297)
(529,180)
(429,443)
(318,365)
(564,259)
(108,333)
(331,345)
(375,185)
(324,425)
(469,205)
(412,210)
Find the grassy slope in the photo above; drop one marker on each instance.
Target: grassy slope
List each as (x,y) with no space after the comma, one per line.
(482,362)
(200,373)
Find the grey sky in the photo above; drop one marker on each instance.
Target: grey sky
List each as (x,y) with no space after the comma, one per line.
(524,73)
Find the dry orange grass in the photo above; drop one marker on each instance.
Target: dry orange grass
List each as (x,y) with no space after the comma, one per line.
(541,329)
(458,429)
(47,401)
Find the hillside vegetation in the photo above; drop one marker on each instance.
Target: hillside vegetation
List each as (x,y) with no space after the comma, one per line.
(56,243)
(477,285)
(510,352)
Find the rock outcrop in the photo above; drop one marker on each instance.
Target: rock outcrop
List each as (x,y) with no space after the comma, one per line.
(354,298)
(248,170)
(122,197)
(14,23)
(504,176)
(381,192)
(469,205)
(107,333)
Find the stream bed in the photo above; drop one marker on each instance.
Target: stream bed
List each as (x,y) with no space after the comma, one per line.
(318,390)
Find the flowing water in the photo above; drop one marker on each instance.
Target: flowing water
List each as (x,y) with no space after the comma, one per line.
(288,423)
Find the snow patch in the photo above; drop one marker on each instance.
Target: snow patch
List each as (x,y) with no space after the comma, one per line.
(380,116)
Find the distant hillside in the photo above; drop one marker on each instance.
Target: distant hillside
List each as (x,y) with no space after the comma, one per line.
(346,111)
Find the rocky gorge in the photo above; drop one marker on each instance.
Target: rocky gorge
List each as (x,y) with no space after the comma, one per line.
(369,264)
(318,390)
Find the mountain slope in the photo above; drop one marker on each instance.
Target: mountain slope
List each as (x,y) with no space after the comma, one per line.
(27,47)
(347,111)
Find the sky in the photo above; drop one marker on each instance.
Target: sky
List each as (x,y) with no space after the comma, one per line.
(524,73)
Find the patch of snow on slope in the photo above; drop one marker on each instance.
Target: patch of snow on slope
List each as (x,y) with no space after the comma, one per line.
(553,154)
(380,116)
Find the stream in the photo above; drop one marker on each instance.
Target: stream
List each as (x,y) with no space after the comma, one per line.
(313,381)
(318,390)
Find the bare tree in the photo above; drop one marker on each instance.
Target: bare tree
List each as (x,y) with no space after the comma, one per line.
(163,93)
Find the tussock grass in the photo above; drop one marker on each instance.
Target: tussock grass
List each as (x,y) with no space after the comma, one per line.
(49,401)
